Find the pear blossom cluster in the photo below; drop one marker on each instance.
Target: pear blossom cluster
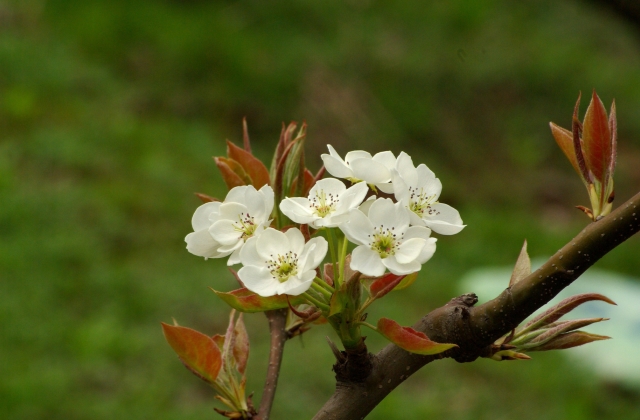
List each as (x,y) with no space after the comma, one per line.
(393,235)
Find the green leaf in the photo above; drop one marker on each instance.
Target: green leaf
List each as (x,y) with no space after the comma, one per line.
(523,266)
(245,300)
(409,339)
(197,351)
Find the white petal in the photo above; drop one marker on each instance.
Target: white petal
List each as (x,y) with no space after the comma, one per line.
(258,280)
(405,168)
(268,197)
(428,251)
(370,171)
(229,211)
(237,194)
(298,209)
(417,232)
(400,269)
(431,186)
(225,232)
(358,229)
(296,240)
(314,252)
(202,244)
(446,221)
(415,220)
(367,261)
(356,154)
(231,248)
(386,158)
(249,254)
(386,188)
(381,212)
(336,167)
(366,206)
(409,250)
(424,172)
(351,197)
(297,285)
(272,242)
(329,186)
(234,258)
(200,219)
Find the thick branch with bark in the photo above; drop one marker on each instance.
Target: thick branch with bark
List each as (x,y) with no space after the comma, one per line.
(474,329)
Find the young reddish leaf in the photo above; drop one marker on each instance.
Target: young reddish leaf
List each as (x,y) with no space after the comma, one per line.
(509,355)
(219,340)
(562,308)
(205,198)
(523,266)
(197,351)
(560,328)
(407,281)
(254,168)
(384,285)
(596,138)
(229,170)
(245,135)
(409,339)
(570,339)
(241,345)
(613,129)
(245,300)
(564,138)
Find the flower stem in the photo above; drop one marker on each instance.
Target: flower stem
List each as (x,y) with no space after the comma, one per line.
(366,324)
(315,302)
(321,289)
(324,284)
(332,250)
(343,256)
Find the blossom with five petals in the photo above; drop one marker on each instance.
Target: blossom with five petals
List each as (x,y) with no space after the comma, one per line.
(328,203)
(277,263)
(221,229)
(385,240)
(359,165)
(418,190)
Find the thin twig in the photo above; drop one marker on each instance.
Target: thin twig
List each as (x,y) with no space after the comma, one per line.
(277,320)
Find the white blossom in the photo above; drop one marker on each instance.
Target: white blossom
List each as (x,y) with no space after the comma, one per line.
(277,263)
(359,165)
(328,203)
(221,229)
(418,189)
(386,241)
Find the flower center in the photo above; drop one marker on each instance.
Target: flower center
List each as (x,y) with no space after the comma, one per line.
(385,241)
(323,203)
(283,266)
(420,203)
(246,225)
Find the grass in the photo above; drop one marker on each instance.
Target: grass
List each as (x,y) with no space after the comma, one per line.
(110,112)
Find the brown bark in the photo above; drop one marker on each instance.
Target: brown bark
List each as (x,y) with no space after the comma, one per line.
(474,329)
(277,321)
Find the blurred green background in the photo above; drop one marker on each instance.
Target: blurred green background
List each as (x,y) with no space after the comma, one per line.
(110,111)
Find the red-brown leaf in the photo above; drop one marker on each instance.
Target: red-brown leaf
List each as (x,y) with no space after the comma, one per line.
(254,168)
(197,351)
(596,138)
(384,285)
(245,300)
(229,170)
(409,339)
(564,138)
(241,345)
